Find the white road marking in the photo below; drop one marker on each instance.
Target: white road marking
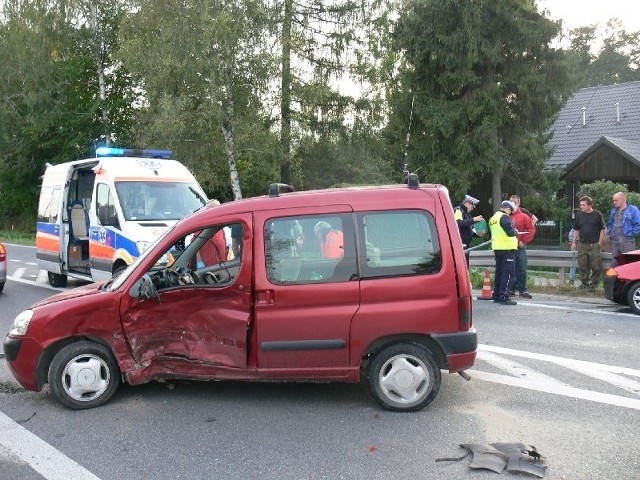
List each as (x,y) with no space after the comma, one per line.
(565,391)
(19,272)
(516,369)
(36,283)
(42,457)
(524,377)
(586,310)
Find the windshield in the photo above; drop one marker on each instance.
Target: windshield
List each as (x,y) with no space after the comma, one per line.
(115,283)
(159,200)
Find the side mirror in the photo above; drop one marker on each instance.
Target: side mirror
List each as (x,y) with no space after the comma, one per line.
(144,288)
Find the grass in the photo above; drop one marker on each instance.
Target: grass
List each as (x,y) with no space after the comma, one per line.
(17,236)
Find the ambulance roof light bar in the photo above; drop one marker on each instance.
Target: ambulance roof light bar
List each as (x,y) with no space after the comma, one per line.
(131,152)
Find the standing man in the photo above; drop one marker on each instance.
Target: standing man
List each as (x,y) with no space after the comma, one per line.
(588,236)
(504,244)
(623,226)
(526,231)
(462,214)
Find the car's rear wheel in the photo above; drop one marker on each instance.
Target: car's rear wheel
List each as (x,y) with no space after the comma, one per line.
(57,280)
(83,375)
(404,377)
(633,298)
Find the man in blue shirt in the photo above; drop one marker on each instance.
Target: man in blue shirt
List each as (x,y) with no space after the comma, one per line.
(623,226)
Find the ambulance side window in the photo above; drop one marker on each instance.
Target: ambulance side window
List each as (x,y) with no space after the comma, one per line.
(105,207)
(49,205)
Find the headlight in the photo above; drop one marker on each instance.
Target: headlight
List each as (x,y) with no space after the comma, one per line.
(21,323)
(142,245)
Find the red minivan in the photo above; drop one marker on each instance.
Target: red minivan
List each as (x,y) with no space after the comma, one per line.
(248,290)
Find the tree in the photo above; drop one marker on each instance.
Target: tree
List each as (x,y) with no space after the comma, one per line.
(202,73)
(486,84)
(50,106)
(616,61)
(315,36)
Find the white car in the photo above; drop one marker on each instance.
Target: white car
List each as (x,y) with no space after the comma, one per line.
(3,266)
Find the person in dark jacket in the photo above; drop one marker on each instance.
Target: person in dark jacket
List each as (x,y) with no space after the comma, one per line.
(462,214)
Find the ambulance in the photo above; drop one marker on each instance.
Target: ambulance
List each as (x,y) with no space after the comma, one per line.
(95,216)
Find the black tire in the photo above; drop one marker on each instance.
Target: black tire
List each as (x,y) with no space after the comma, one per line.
(57,280)
(633,298)
(404,377)
(1,287)
(83,375)
(118,271)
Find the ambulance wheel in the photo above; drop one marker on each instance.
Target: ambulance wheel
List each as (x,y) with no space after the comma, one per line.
(83,375)
(57,280)
(404,377)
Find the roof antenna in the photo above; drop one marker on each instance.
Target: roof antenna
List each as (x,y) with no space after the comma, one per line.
(410,178)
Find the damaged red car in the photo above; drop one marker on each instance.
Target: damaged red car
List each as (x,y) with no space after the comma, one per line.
(622,283)
(335,285)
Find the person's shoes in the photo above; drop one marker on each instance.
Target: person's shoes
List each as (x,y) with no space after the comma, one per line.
(525,295)
(506,301)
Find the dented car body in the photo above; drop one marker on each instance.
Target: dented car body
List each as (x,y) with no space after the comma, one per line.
(243,291)
(622,283)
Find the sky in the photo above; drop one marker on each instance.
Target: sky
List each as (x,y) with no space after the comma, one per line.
(579,13)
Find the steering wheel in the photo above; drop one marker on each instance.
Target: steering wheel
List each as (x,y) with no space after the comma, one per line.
(171,277)
(210,278)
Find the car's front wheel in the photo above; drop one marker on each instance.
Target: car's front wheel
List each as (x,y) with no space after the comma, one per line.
(633,298)
(83,375)
(404,377)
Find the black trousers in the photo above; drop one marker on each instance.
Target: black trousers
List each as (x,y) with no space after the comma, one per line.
(505,276)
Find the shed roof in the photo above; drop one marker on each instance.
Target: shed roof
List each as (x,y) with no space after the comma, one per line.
(611,111)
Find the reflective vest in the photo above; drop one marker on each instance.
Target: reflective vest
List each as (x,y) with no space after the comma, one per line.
(499,238)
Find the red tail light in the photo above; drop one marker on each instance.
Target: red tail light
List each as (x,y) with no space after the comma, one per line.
(3,253)
(464,314)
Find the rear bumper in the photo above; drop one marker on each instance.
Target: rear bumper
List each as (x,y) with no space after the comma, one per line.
(460,349)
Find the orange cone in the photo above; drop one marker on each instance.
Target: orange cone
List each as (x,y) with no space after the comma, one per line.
(486,287)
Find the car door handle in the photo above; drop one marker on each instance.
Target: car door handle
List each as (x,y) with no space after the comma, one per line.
(264,297)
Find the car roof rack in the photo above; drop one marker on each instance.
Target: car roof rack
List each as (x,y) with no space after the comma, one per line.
(276,188)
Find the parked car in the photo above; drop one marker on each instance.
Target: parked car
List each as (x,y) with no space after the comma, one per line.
(3,266)
(333,285)
(622,283)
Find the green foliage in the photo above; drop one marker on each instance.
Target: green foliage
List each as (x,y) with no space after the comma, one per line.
(615,62)
(602,191)
(486,85)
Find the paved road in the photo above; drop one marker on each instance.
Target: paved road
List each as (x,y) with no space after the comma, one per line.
(561,374)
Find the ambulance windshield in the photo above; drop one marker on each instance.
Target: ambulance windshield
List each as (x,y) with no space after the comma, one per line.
(159,200)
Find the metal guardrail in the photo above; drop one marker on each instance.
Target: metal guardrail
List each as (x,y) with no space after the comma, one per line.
(562,259)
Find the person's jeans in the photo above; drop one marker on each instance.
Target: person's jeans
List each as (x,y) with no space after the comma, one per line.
(521,271)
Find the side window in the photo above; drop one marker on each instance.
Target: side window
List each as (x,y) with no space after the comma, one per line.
(203,258)
(310,249)
(49,205)
(105,207)
(399,243)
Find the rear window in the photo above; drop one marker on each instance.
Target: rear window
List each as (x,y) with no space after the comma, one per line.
(399,243)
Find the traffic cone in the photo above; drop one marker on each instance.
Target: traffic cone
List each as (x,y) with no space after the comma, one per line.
(486,287)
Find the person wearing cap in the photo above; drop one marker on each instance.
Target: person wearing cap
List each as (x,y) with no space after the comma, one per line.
(331,240)
(462,214)
(504,244)
(526,231)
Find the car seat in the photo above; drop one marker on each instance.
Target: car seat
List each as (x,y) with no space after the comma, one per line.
(78,221)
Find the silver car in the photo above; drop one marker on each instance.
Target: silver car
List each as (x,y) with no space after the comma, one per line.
(3,266)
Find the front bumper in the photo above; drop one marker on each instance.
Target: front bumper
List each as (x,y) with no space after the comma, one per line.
(22,354)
